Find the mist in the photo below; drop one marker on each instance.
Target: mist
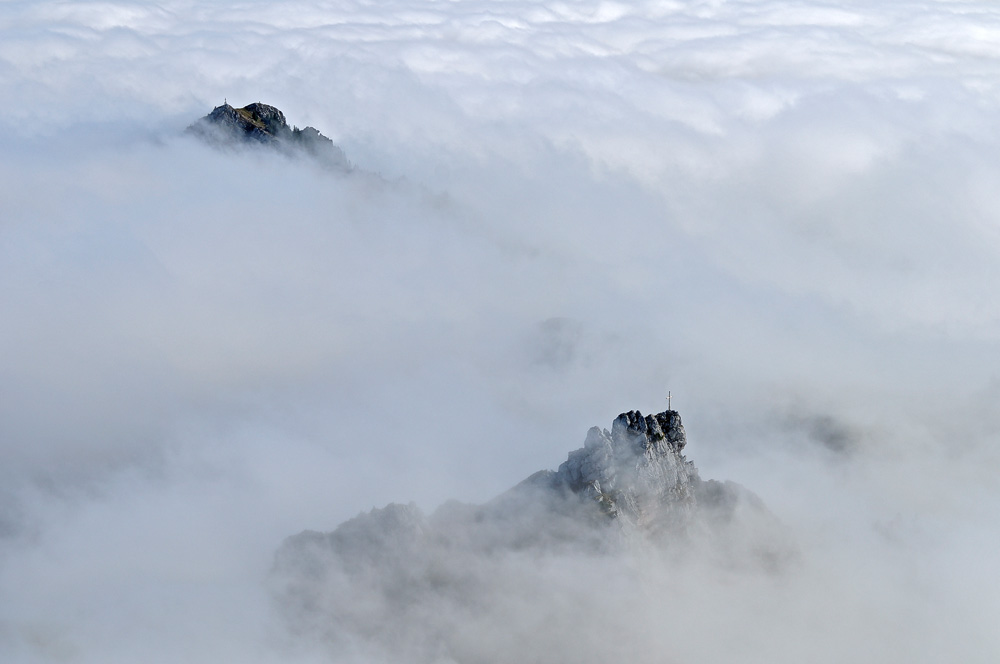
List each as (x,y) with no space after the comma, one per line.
(785,213)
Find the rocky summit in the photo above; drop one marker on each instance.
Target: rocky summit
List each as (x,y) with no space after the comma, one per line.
(627,484)
(636,469)
(261,124)
(631,481)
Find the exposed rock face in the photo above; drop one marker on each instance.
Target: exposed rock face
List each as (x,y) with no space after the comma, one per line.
(636,470)
(259,123)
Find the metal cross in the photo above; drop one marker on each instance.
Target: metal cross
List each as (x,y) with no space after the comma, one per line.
(668,399)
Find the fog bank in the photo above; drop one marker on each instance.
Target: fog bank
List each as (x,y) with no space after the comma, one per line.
(783,212)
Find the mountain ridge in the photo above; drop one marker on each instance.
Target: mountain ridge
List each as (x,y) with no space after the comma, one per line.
(634,479)
(626,505)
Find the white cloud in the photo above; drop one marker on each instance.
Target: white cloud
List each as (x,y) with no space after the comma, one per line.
(781,211)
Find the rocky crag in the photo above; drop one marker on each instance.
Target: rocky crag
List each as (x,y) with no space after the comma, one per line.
(635,474)
(264,125)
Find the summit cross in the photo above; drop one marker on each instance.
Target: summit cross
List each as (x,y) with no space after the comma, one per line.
(668,399)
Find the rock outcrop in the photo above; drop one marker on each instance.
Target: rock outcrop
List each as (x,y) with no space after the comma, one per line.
(636,470)
(261,124)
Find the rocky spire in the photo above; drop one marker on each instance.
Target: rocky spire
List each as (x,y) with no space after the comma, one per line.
(635,471)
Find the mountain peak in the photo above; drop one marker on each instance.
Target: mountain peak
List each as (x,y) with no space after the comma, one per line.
(626,490)
(633,480)
(263,124)
(636,470)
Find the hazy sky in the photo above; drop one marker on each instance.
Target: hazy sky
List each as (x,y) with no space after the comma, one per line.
(786,213)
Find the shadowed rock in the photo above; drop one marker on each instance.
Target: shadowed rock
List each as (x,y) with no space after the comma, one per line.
(261,124)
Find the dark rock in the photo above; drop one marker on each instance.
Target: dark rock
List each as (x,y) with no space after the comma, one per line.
(261,124)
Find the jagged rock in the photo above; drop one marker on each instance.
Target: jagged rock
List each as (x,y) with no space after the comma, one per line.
(636,471)
(262,124)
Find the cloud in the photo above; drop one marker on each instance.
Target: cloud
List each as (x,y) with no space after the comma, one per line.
(782,211)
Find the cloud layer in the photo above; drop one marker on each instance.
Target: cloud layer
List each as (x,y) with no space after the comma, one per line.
(784,212)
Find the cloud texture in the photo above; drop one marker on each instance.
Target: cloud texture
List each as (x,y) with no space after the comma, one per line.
(784,212)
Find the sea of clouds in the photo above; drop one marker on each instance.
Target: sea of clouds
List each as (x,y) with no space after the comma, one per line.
(786,213)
